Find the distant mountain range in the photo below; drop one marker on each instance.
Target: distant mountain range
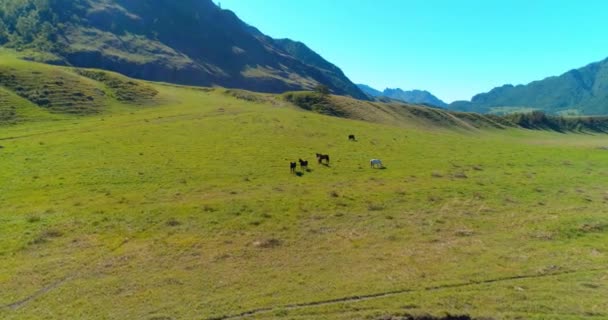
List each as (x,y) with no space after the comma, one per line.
(413,96)
(579,91)
(190,42)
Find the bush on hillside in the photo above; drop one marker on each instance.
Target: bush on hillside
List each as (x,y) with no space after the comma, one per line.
(322,89)
(314,101)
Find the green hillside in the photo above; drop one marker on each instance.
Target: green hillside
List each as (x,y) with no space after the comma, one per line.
(187,42)
(37,92)
(155,201)
(579,91)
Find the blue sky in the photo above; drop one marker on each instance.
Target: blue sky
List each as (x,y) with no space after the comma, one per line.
(455,49)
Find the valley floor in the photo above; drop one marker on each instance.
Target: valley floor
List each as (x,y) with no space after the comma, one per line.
(188,210)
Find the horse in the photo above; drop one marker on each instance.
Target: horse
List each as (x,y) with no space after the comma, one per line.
(352,137)
(292,167)
(376,163)
(322,157)
(303,164)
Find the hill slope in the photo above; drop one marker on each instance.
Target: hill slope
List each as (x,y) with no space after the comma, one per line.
(583,91)
(32,91)
(412,96)
(186,209)
(35,92)
(187,42)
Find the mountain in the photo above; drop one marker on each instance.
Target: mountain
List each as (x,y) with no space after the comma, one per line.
(190,42)
(579,91)
(369,90)
(413,96)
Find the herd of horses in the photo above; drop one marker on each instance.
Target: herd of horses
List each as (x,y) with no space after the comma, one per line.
(324,159)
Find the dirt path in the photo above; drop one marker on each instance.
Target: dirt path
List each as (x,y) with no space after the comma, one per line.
(358,298)
(58,283)
(15,305)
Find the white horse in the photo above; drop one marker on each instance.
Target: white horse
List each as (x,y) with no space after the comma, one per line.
(376,163)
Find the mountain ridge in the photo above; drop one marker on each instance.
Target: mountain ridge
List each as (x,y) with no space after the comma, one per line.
(578,91)
(410,96)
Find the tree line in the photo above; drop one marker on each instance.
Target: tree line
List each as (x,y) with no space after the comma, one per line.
(36,23)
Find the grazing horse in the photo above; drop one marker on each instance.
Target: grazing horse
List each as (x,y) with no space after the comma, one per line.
(303,164)
(322,157)
(292,167)
(376,163)
(352,137)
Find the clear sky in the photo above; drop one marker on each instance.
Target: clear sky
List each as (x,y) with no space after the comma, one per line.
(453,48)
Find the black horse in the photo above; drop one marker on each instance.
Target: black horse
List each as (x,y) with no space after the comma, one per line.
(321,157)
(292,167)
(303,164)
(352,137)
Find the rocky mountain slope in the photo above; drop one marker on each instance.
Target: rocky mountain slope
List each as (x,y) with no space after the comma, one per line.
(190,42)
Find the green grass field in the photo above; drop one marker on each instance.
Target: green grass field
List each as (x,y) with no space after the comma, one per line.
(182,206)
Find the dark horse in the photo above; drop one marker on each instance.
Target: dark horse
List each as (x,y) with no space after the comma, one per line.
(322,157)
(303,164)
(292,167)
(352,137)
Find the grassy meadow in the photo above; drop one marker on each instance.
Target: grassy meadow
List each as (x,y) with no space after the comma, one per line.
(182,206)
